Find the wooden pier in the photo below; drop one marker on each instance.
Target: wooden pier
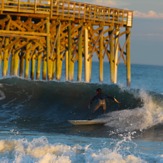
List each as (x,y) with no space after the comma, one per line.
(38,36)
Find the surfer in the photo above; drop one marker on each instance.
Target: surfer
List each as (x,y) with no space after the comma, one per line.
(100,97)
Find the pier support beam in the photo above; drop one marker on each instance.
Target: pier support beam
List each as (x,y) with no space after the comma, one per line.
(80,57)
(54,62)
(116,55)
(27,60)
(59,59)
(12,64)
(6,52)
(71,63)
(33,62)
(111,37)
(48,50)
(39,62)
(16,63)
(44,70)
(128,64)
(67,65)
(101,57)
(5,65)
(21,70)
(87,60)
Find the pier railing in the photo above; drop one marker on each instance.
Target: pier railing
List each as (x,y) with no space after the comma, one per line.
(65,9)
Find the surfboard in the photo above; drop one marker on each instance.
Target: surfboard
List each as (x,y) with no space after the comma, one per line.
(86,122)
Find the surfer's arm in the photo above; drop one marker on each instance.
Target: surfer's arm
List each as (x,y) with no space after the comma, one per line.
(114,99)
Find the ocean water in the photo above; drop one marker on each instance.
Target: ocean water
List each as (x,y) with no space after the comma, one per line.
(34,116)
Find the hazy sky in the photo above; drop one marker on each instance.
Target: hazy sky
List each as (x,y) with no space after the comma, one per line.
(147,30)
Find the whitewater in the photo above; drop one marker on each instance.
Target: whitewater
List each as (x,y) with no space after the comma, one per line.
(34,116)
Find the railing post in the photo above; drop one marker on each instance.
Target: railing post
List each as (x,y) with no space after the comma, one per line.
(2,6)
(18,5)
(35,6)
(51,8)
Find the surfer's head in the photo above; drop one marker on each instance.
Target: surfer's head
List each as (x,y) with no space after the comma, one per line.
(98,90)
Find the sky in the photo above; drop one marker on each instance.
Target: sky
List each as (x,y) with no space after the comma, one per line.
(147,30)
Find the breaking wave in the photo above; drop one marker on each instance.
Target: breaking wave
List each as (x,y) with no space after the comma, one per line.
(49,105)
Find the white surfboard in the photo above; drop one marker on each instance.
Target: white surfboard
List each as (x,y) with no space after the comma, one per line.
(86,122)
